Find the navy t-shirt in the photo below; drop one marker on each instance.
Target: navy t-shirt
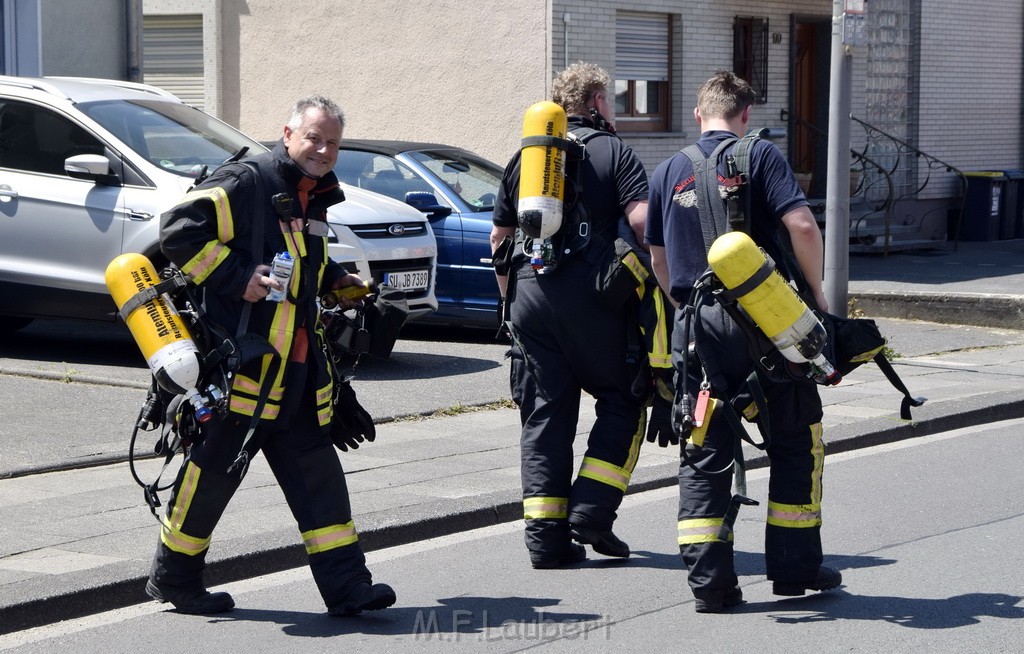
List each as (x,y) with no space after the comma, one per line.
(673,220)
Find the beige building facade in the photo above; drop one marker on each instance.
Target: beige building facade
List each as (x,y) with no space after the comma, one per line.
(464,71)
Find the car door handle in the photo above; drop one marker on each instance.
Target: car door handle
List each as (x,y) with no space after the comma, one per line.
(7,193)
(140,216)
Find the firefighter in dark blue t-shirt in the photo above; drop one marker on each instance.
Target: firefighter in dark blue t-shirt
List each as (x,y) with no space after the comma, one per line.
(796,450)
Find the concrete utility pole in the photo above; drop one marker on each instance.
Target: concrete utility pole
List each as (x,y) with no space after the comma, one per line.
(847,30)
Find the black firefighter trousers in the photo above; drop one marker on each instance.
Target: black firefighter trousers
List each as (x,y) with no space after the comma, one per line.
(306,466)
(796,455)
(564,341)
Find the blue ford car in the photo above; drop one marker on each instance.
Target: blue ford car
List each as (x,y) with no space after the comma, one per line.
(456,190)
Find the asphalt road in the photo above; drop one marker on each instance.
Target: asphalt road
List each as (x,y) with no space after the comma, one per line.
(925,532)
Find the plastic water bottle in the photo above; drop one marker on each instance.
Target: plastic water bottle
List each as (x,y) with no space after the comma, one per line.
(281,271)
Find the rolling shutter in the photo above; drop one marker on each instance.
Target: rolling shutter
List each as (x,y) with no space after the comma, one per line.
(172,56)
(642,47)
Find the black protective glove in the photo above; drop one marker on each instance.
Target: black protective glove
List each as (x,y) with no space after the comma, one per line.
(502,316)
(659,424)
(351,424)
(501,259)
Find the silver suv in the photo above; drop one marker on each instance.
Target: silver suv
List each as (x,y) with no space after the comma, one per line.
(86,168)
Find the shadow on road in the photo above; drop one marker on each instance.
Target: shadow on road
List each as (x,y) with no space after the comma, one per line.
(476,619)
(87,342)
(73,341)
(441,333)
(420,365)
(913,612)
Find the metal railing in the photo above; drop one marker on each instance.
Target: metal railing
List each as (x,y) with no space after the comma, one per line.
(901,151)
(876,192)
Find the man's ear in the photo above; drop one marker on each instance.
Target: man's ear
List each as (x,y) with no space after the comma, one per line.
(696,115)
(287,133)
(746,115)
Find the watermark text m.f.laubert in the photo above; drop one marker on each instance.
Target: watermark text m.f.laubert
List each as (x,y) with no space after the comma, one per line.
(457,624)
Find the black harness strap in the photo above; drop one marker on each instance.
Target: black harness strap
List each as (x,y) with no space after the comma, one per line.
(738,165)
(752,282)
(894,379)
(241,462)
(147,294)
(713,218)
(546,141)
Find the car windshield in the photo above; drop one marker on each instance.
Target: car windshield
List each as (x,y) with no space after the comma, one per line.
(176,137)
(472,178)
(379,173)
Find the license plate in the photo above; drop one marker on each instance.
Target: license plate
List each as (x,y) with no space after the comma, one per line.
(408,280)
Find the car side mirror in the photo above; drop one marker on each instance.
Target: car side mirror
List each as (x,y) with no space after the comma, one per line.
(92,167)
(427,203)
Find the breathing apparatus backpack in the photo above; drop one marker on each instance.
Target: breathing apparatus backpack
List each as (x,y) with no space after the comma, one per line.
(191,360)
(194,361)
(555,224)
(554,221)
(742,290)
(787,338)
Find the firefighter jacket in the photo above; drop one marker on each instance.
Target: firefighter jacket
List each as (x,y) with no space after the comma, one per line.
(209,236)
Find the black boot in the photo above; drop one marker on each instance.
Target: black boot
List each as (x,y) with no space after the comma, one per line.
(603,542)
(717,600)
(365,597)
(572,555)
(196,601)
(826,579)
(177,578)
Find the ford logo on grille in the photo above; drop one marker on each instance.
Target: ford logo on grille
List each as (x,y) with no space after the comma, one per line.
(397,229)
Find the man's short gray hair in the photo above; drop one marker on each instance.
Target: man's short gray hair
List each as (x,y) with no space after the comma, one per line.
(326,105)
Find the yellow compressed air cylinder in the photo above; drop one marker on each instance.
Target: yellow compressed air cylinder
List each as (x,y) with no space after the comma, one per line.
(155,325)
(773,304)
(541,170)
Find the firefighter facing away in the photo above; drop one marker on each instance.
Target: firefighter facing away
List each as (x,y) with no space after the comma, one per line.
(565,340)
(796,450)
(210,235)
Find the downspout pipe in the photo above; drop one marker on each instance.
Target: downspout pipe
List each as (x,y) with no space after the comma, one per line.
(133,16)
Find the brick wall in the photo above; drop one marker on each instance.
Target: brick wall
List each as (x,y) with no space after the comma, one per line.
(971,76)
(702,44)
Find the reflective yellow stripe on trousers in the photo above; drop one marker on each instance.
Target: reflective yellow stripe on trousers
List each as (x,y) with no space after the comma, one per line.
(693,531)
(540,508)
(171,534)
(330,537)
(803,516)
(611,474)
